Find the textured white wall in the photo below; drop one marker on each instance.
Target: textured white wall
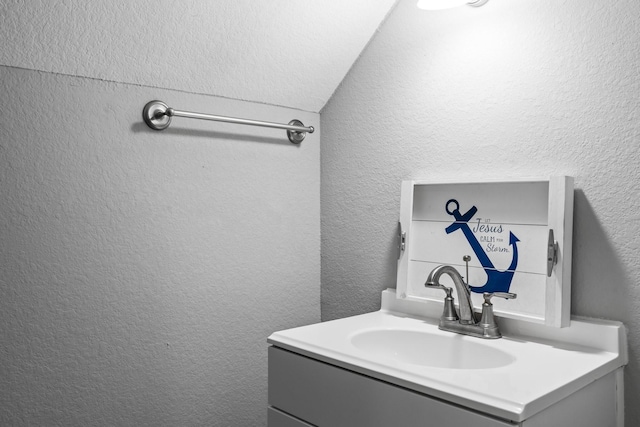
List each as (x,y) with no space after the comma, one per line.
(142,271)
(282,52)
(514,88)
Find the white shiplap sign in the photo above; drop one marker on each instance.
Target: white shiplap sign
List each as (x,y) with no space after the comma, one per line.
(504,228)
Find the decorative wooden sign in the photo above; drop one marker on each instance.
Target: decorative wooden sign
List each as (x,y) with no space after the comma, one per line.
(501,237)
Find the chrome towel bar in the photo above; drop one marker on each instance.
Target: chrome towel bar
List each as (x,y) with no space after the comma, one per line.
(157,115)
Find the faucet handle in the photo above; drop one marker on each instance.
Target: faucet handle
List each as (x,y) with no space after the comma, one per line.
(488,322)
(437,285)
(447,290)
(449,309)
(506,295)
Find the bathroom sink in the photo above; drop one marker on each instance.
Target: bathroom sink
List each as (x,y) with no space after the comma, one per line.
(531,368)
(428,349)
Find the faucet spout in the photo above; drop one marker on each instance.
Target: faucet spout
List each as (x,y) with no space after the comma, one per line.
(464,295)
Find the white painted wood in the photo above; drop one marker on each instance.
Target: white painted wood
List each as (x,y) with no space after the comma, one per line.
(529,305)
(527,208)
(276,418)
(558,295)
(523,202)
(619,397)
(327,396)
(532,238)
(591,406)
(406,213)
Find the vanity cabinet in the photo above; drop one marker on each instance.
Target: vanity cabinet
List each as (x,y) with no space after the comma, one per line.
(307,392)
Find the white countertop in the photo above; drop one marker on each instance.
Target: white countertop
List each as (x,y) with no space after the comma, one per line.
(549,363)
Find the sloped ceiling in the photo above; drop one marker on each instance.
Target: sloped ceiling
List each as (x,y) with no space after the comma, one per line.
(292,53)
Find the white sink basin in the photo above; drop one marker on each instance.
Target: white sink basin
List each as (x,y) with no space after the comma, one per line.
(427,349)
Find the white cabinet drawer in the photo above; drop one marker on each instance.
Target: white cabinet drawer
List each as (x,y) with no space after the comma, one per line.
(327,396)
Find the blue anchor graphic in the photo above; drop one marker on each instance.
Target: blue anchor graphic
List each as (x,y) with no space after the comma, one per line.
(497,281)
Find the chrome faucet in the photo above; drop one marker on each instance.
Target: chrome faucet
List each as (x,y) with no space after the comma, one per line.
(466,322)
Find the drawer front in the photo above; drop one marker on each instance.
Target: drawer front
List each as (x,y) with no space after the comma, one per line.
(280,419)
(327,396)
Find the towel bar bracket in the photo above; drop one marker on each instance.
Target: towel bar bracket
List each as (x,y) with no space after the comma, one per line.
(155,115)
(296,137)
